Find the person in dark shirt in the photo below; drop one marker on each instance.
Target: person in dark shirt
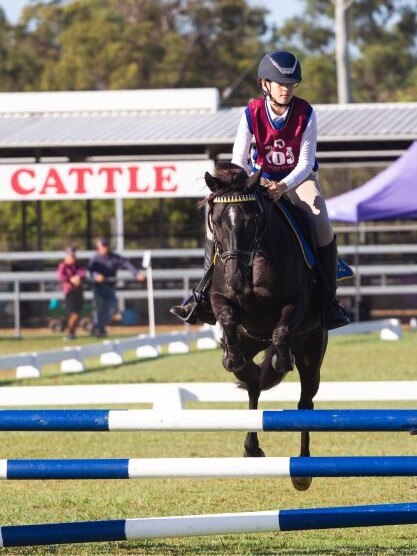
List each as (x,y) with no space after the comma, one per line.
(103,268)
(71,275)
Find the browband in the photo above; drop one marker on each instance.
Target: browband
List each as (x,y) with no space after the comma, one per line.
(235,198)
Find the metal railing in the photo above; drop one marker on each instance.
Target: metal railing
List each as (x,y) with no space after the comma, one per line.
(175,283)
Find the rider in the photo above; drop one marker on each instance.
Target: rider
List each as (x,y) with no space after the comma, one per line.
(285,131)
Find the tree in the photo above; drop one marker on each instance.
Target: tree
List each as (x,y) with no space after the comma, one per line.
(124,44)
(382,44)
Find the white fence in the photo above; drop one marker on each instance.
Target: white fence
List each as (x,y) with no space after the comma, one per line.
(385,276)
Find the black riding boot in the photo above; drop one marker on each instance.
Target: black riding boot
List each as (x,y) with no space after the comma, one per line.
(333,315)
(198,307)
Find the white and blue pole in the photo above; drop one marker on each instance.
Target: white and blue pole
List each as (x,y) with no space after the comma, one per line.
(148,468)
(211,524)
(209,420)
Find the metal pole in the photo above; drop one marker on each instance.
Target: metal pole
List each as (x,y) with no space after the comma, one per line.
(119,224)
(89,231)
(119,232)
(16,309)
(186,287)
(357,303)
(39,219)
(147,264)
(342,50)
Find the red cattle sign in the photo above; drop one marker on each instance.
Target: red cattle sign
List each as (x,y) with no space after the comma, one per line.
(103,181)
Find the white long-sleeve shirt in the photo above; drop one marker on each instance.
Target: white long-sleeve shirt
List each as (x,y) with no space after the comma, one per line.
(306,160)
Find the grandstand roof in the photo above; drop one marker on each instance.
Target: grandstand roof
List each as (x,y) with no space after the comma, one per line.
(174,117)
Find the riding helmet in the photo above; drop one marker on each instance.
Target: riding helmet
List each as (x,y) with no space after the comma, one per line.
(280,66)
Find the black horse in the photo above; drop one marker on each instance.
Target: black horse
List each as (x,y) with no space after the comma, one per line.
(263,294)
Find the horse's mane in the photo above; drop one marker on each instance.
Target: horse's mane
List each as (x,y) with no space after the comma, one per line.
(229,179)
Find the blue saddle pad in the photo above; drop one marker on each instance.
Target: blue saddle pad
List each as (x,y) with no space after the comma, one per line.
(343,269)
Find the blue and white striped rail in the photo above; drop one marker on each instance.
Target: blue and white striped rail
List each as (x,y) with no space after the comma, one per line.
(210,524)
(148,468)
(206,420)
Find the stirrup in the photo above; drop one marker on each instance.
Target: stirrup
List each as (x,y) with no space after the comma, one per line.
(186,312)
(196,308)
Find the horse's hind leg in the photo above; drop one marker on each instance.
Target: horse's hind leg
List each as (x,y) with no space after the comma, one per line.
(249,380)
(279,359)
(309,351)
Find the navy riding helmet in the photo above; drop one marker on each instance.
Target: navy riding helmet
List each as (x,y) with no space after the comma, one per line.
(280,66)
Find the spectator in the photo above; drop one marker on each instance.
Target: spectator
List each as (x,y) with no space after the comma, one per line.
(71,275)
(103,267)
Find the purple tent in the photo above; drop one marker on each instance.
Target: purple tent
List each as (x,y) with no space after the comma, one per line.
(389,195)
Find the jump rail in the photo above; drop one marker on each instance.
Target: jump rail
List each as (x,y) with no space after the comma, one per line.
(153,468)
(209,524)
(209,420)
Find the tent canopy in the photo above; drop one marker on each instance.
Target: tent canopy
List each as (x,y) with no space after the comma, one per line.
(389,195)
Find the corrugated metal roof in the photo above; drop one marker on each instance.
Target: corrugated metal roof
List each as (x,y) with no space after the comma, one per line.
(380,121)
(119,129)
(351,122)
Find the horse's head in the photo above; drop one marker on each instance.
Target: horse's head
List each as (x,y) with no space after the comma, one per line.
(234,212)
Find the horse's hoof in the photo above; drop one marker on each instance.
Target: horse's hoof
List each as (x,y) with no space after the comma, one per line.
(254,453)
(301,483)
(234,365)
(276,364)
(283,365)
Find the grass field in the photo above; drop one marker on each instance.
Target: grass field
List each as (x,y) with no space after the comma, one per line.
(349,358)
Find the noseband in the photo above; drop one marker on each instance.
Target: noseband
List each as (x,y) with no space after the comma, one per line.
(255,244)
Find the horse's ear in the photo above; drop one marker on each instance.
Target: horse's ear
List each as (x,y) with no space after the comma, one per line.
(253,181)
(210,182)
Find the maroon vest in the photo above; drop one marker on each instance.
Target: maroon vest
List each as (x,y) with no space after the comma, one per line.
(278,150)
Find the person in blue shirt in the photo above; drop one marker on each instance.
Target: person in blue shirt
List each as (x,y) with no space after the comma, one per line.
(103,268)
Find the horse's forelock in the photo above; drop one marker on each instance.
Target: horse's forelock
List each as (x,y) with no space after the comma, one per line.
(229,179)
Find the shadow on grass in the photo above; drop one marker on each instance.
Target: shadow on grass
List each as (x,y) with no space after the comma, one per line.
(219,547)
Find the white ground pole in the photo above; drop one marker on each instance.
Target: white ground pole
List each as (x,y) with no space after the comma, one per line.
(175,395)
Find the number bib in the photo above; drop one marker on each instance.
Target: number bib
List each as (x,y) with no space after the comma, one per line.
(277,150)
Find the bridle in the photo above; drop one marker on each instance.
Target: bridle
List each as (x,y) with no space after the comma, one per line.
(255,244)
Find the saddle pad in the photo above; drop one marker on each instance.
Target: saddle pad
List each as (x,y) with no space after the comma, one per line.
(343,269)
(306,250)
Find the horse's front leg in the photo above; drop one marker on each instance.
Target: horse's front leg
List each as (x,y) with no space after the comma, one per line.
(303,483)
(252,448)
(249,380)
(233,358)
(309,351)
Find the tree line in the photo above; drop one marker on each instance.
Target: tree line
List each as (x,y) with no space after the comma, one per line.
(136,44)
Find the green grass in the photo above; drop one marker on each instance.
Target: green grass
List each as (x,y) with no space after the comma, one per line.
(350,358)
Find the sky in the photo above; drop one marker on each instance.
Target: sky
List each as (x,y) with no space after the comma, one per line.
(280,9)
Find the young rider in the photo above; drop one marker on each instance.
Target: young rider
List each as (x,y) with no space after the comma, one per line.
(285,131)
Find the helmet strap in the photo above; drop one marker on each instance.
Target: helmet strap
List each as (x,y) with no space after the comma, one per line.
(266,94)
